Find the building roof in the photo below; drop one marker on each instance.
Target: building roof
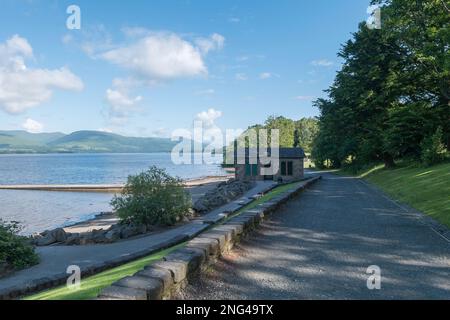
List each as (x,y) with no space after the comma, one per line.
(291,153)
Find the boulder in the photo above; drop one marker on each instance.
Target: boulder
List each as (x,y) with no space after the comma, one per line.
(130,230)
(113,234)
(224,192)
(51,236)
(73,239)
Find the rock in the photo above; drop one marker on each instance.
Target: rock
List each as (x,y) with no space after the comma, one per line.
(112,234)
(45,240)
(98,236)
(131,230)
(60,235)
(123,293)
(73,239)
(222,194)
(51,236)
(153,287)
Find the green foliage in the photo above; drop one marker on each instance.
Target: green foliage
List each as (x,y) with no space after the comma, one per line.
(392,90)
(300,133)
(433,150)
(152,197)
(15,252)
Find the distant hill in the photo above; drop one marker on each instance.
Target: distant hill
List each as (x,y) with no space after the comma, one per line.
(79,142)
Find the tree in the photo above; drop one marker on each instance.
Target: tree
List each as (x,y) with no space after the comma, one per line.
(152,197)
(15,251)
(392,89)
(296,138)
(433,150)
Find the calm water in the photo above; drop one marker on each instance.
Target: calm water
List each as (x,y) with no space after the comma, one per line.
(40,210)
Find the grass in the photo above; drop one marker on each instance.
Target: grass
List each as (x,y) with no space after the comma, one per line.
(424,188)
(91,286)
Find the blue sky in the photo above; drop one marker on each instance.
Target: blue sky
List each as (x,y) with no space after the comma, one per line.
(145,68)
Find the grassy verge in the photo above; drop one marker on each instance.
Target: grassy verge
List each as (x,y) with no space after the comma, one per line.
(424,188)
(91,286)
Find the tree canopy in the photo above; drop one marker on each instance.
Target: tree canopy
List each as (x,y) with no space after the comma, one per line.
(393,89)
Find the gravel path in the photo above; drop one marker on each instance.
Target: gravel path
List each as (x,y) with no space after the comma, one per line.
(320,245)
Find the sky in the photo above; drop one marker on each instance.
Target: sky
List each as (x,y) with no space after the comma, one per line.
(147,68)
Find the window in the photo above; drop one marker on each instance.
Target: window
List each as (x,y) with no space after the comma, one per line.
(251,170)
(254,169)
(283,168)
(290,170)
(248,171)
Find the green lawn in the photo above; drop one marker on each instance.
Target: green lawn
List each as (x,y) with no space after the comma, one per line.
(424,188)
(91,286)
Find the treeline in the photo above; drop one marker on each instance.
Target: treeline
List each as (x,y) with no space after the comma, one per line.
(390,100)
(292,133)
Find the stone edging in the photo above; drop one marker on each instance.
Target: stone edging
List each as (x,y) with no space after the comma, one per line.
(164,278)
(55,280)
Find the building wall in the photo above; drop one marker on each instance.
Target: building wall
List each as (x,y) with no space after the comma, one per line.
(297,169)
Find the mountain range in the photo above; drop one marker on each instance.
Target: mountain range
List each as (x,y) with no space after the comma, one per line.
(18,141)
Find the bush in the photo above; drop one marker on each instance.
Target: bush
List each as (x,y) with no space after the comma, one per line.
(15,251)
(433,150)
(152,198)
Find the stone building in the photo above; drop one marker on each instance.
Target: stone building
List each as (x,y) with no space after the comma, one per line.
(290,165)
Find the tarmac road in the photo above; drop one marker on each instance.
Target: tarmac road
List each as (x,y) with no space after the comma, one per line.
(320,245)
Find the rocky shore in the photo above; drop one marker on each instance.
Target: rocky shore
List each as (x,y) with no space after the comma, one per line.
(106,227)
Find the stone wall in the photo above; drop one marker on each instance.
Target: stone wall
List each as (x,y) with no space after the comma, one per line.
(165,278)
(225,192)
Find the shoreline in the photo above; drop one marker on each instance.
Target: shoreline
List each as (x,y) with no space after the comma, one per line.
(106,188)
(104,220)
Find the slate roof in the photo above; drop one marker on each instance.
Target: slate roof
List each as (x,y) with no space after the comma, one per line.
(284,153)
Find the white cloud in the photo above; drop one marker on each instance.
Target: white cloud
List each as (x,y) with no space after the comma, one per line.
(208,117)
(21,87)
(32,126)
(241,76)
(67,38)
(120,103)
(164,56)
(107,130)
(214,42)
(205,92)
(322,63)
(268,75)
(304,98)
(161,133)
(234,20)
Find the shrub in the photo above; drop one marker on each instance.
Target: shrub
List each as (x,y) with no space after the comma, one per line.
(433,150)
(15,251)
(152,198)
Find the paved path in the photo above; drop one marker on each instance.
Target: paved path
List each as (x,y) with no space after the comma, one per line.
(56,259)
(319,247)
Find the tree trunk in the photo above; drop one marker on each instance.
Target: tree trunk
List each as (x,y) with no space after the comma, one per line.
(388,161)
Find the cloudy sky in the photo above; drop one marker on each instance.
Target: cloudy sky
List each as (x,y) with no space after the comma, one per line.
(146,68)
